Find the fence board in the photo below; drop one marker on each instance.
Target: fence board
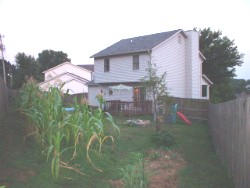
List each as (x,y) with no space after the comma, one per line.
(230,130)
(128,108)
(194,109)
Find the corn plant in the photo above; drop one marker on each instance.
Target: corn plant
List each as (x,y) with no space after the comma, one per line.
(59,131)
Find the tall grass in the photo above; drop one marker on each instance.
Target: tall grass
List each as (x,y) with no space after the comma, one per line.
(61,133)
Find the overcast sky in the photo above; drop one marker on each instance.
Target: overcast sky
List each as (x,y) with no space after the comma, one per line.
(82,28)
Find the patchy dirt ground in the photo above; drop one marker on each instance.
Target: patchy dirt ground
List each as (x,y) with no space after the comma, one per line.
(163,167)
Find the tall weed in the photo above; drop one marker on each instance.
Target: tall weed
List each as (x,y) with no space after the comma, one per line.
(135,175)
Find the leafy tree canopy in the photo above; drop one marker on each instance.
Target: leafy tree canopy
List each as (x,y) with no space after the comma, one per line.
(26,66)
(239,85)
(50,58)
(222,56)
(156,89)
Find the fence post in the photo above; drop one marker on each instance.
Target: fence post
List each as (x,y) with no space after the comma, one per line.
(229,124)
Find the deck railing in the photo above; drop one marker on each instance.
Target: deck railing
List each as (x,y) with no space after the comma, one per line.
(128,108)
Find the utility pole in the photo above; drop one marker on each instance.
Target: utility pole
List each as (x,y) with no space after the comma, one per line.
(2,49)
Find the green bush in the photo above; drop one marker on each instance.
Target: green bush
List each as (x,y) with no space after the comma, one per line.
(164,139)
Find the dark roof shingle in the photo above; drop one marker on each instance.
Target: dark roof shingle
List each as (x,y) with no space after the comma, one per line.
(136,44)
(89,67)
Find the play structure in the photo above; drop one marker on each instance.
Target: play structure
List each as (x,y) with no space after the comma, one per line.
(181,115)
(175,112)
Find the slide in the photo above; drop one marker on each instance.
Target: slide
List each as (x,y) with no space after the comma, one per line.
(181,115)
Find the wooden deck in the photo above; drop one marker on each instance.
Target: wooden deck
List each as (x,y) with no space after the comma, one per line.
(128,108)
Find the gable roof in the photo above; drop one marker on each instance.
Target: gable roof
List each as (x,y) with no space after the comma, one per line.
(65,64)
(207,79)
(136,44)
(74,77)
(89,67)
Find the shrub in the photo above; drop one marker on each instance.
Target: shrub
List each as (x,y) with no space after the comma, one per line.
(164,138)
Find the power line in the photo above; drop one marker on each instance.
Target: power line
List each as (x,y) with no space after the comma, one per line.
(2,49)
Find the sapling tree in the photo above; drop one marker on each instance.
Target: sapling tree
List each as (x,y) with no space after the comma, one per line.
(156,89)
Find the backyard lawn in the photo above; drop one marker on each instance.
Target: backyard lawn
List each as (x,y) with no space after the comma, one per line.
(188,161)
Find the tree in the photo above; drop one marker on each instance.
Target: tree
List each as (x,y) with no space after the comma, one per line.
(50,58)
(238,85)
(221,58)
(26,66)
(155,88)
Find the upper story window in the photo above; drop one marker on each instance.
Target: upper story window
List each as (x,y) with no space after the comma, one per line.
(179,39)
(136,62)
(106,65)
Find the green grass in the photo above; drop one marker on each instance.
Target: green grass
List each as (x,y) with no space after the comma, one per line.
(202,170)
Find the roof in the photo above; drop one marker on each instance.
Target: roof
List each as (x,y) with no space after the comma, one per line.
(202,56)
(64,64)
(207,79)
(89,67)
(66,73)
(91,83)
(136,44)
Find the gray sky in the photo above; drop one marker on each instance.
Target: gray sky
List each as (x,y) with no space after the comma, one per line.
(81,28)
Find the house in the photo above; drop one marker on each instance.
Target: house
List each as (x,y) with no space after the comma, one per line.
(125,62)
(72,76)
(245,93)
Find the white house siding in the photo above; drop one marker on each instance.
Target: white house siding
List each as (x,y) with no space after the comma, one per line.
(169,56)
(57,81)
(193,59)
(120,69)
(188,68)
(93,91)
(117,95)
(67,67)
(75,86)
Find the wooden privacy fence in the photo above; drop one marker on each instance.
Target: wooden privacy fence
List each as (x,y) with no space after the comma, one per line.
(128,108)
(193,109)
(3,97)
(230,130)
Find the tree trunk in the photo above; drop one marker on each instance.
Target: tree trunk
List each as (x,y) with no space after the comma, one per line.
(158,126)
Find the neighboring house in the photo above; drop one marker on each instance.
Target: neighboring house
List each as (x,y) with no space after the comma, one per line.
(245,93)
(247,88)
(125,62)
(73,78)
